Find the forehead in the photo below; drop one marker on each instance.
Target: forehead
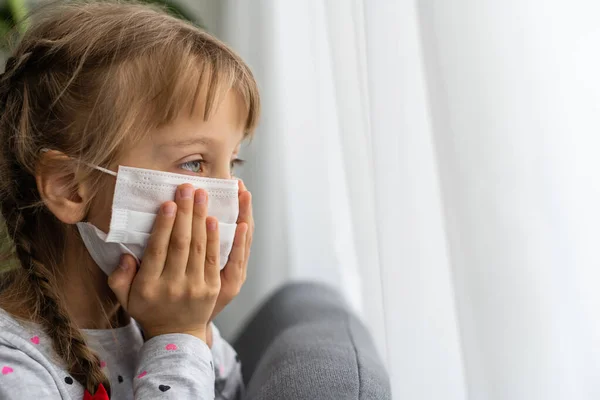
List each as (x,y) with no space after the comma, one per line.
(224,125)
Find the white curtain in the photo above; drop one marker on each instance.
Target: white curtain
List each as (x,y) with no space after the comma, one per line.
(438,162)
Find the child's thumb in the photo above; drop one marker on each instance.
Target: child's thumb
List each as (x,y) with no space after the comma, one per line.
(122,277)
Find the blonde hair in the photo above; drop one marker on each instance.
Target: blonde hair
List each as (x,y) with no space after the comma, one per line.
(86,79)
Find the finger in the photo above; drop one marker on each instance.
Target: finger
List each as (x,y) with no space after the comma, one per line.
(246,215)
(242,186)
(245,200)
(232,274)
(155,254)
(245,204)
(195,266)
(181,236)
(211,265)
(121,279)
(250,219)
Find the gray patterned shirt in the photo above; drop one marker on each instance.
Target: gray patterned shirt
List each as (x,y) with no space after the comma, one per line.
(174,366)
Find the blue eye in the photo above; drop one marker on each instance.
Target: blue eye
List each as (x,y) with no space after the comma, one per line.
(192,166)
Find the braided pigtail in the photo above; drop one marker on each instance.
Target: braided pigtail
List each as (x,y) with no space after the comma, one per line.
(33,231)
(68,341)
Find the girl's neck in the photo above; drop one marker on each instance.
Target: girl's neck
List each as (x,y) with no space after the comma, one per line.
(84,287)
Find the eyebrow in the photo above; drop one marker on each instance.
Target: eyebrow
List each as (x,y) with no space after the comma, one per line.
(189,142)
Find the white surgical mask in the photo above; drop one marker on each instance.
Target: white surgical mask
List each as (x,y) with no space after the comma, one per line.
(139,193)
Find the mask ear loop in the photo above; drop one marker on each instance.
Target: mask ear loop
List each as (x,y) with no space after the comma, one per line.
(101,169)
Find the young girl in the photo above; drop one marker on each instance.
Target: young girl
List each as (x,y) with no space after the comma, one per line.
(98,90)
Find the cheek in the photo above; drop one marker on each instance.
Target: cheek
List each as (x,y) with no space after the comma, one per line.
(100,208)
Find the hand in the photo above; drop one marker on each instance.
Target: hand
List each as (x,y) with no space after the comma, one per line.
(176,287)
(233,275)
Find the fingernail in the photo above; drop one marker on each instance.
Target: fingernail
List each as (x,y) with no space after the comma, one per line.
(123,264)
(200,197)
(211,225)
(186,192)
(169,209)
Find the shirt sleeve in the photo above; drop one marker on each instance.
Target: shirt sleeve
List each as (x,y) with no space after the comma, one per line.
(22,377)
(175,366)
(229,384)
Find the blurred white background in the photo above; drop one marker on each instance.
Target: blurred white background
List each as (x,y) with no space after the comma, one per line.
(438,162)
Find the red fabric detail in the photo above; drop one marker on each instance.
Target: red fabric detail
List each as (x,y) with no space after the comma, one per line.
(99,395)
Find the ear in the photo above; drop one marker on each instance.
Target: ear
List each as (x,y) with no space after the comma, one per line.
(59,188)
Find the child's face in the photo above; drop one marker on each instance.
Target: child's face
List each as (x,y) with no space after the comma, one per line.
(189,145)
